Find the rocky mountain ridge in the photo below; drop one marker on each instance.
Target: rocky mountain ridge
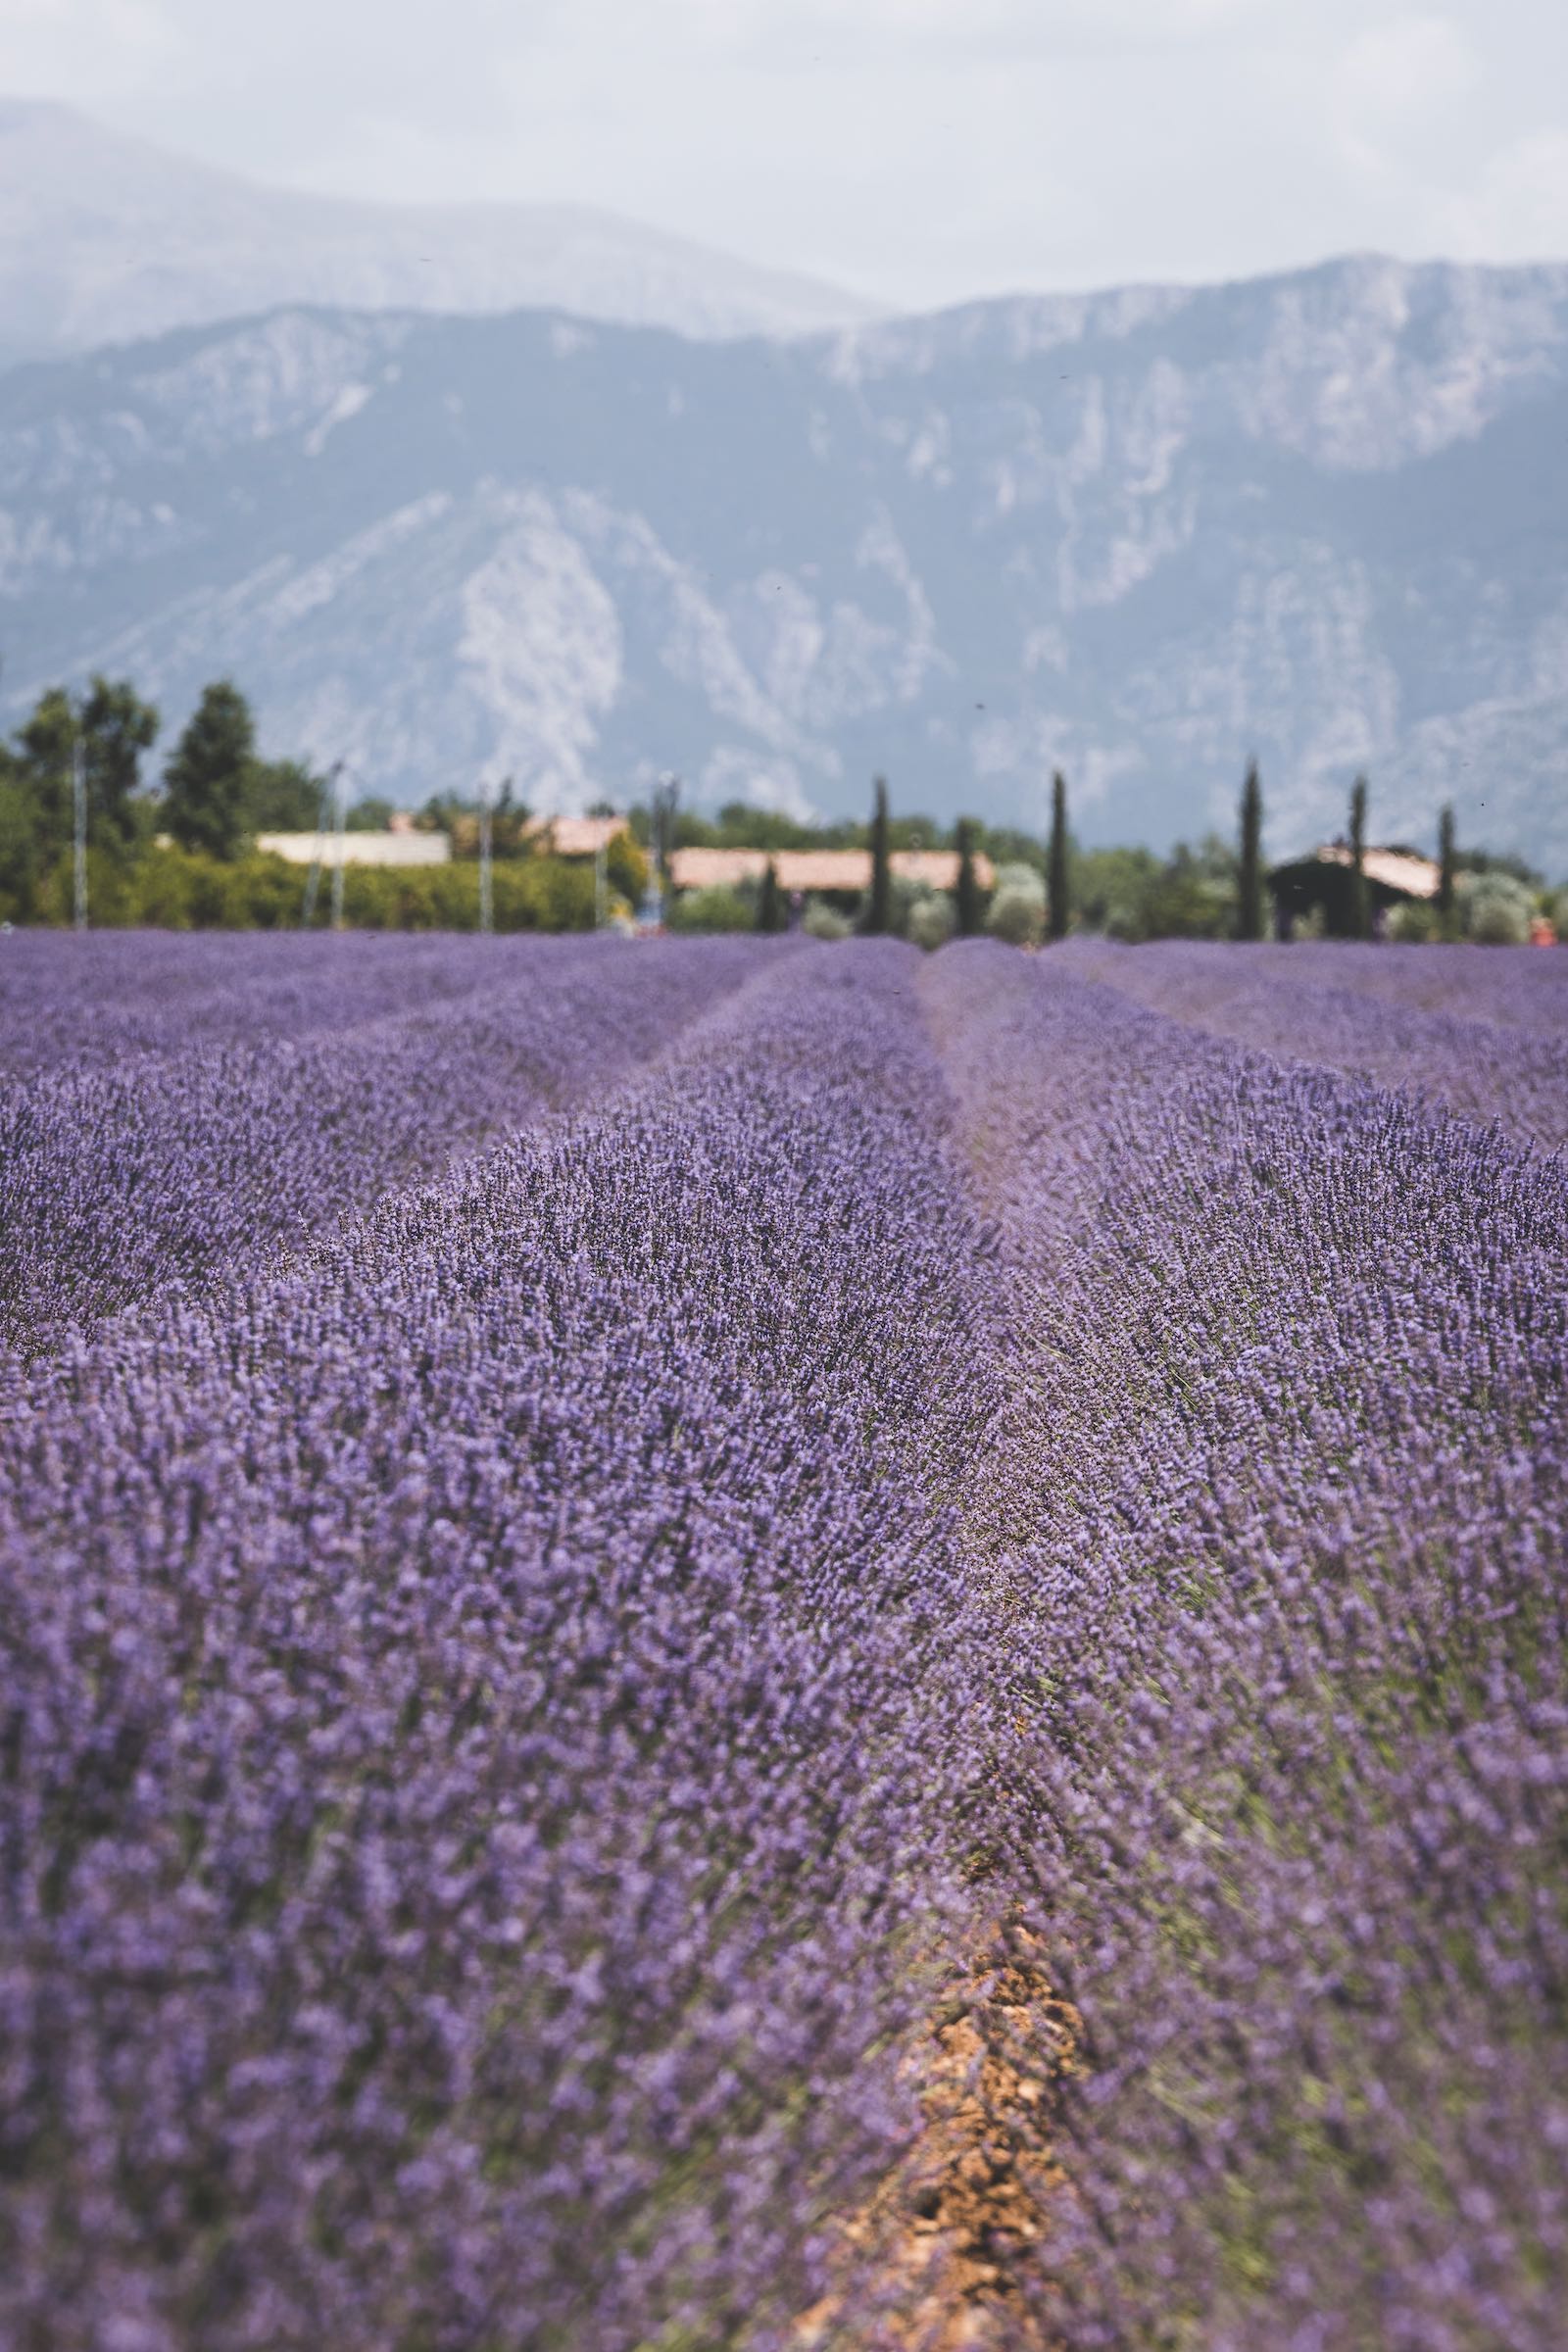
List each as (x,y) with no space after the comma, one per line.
(1322,518)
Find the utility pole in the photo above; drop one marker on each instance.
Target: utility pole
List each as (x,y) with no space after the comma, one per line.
(340,809)
(662,831)
(78,822)
(487,903)
(312,881)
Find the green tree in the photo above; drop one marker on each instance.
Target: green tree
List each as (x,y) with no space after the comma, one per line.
(207,784)
(117,727)
(282,796)
(1360,902)
(967,905)
(772,913)
(19,842)
(46,743)
(1448,861)
(1249,878)
(1057,887)
(112,727)
(879,902)
(370,815)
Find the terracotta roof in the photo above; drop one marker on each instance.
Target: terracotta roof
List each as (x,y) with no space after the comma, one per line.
(840,871)
(575,836)
(1414,877)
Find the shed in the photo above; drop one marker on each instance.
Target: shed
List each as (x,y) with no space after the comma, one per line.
(1322,880)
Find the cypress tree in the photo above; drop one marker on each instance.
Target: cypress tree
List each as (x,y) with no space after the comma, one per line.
(1448,861)
(968,894)
(770,900)
(879,904)
(1249,910)
(1056,883)
(1361,903)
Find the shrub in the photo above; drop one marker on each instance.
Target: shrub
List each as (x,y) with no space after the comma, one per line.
(823,922)
(932,920)
(716,910)
(1017,912)
(1415,921)
(1498,912)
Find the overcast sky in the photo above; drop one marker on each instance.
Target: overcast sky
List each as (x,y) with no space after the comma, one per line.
(919,150)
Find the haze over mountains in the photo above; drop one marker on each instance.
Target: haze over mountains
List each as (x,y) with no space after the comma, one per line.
(105,239)
(1322,516)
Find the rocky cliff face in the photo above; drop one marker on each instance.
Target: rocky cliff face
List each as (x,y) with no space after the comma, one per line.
(1322,518)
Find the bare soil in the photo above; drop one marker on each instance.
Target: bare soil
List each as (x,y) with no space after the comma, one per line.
(931,2262)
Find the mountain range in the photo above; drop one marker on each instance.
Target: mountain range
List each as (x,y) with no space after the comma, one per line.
(1320,517)
(107,240)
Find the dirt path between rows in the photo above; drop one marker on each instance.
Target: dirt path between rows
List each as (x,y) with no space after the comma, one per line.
(930,2261)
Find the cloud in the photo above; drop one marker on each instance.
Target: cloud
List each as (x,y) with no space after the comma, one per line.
(1520,204)
(921,150)
(1397,84)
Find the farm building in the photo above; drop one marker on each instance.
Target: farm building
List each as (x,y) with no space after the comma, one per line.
(1322,882)
(827,873)
(395,847)
(574,836)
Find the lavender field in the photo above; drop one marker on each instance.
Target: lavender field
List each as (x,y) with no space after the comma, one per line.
(729,1643)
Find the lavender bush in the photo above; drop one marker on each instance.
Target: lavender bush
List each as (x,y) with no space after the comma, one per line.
(584,1529)
(1483,1031)
(171,1161)
(1277,1526)
(484,1742)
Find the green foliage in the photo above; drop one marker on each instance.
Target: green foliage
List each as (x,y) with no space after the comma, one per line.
(370,815)
(968,899)
(1018,910)
(716,910)
(282,796)
(932,920)
(112,727)
(1498,908)
(626,868)
(1059,899)
(823,922)
(1250,865)
(1109,888)
(1501,862)
(1448,861)
(117,727)
(1416,921)
(1135,896)
(771,912)
(186,890)
(19,850)
(207,782)
(878,913)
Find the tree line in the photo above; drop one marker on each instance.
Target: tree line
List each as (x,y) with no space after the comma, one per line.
(180,850)
(77,799)
(1220,889)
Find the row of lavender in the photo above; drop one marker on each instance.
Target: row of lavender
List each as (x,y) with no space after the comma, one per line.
(513,1701)
(488,1725)
(1480,1031)
(226,1101)
(1277,1525)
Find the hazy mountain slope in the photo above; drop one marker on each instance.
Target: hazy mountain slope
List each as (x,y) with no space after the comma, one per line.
(107,239)
(1324,518)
